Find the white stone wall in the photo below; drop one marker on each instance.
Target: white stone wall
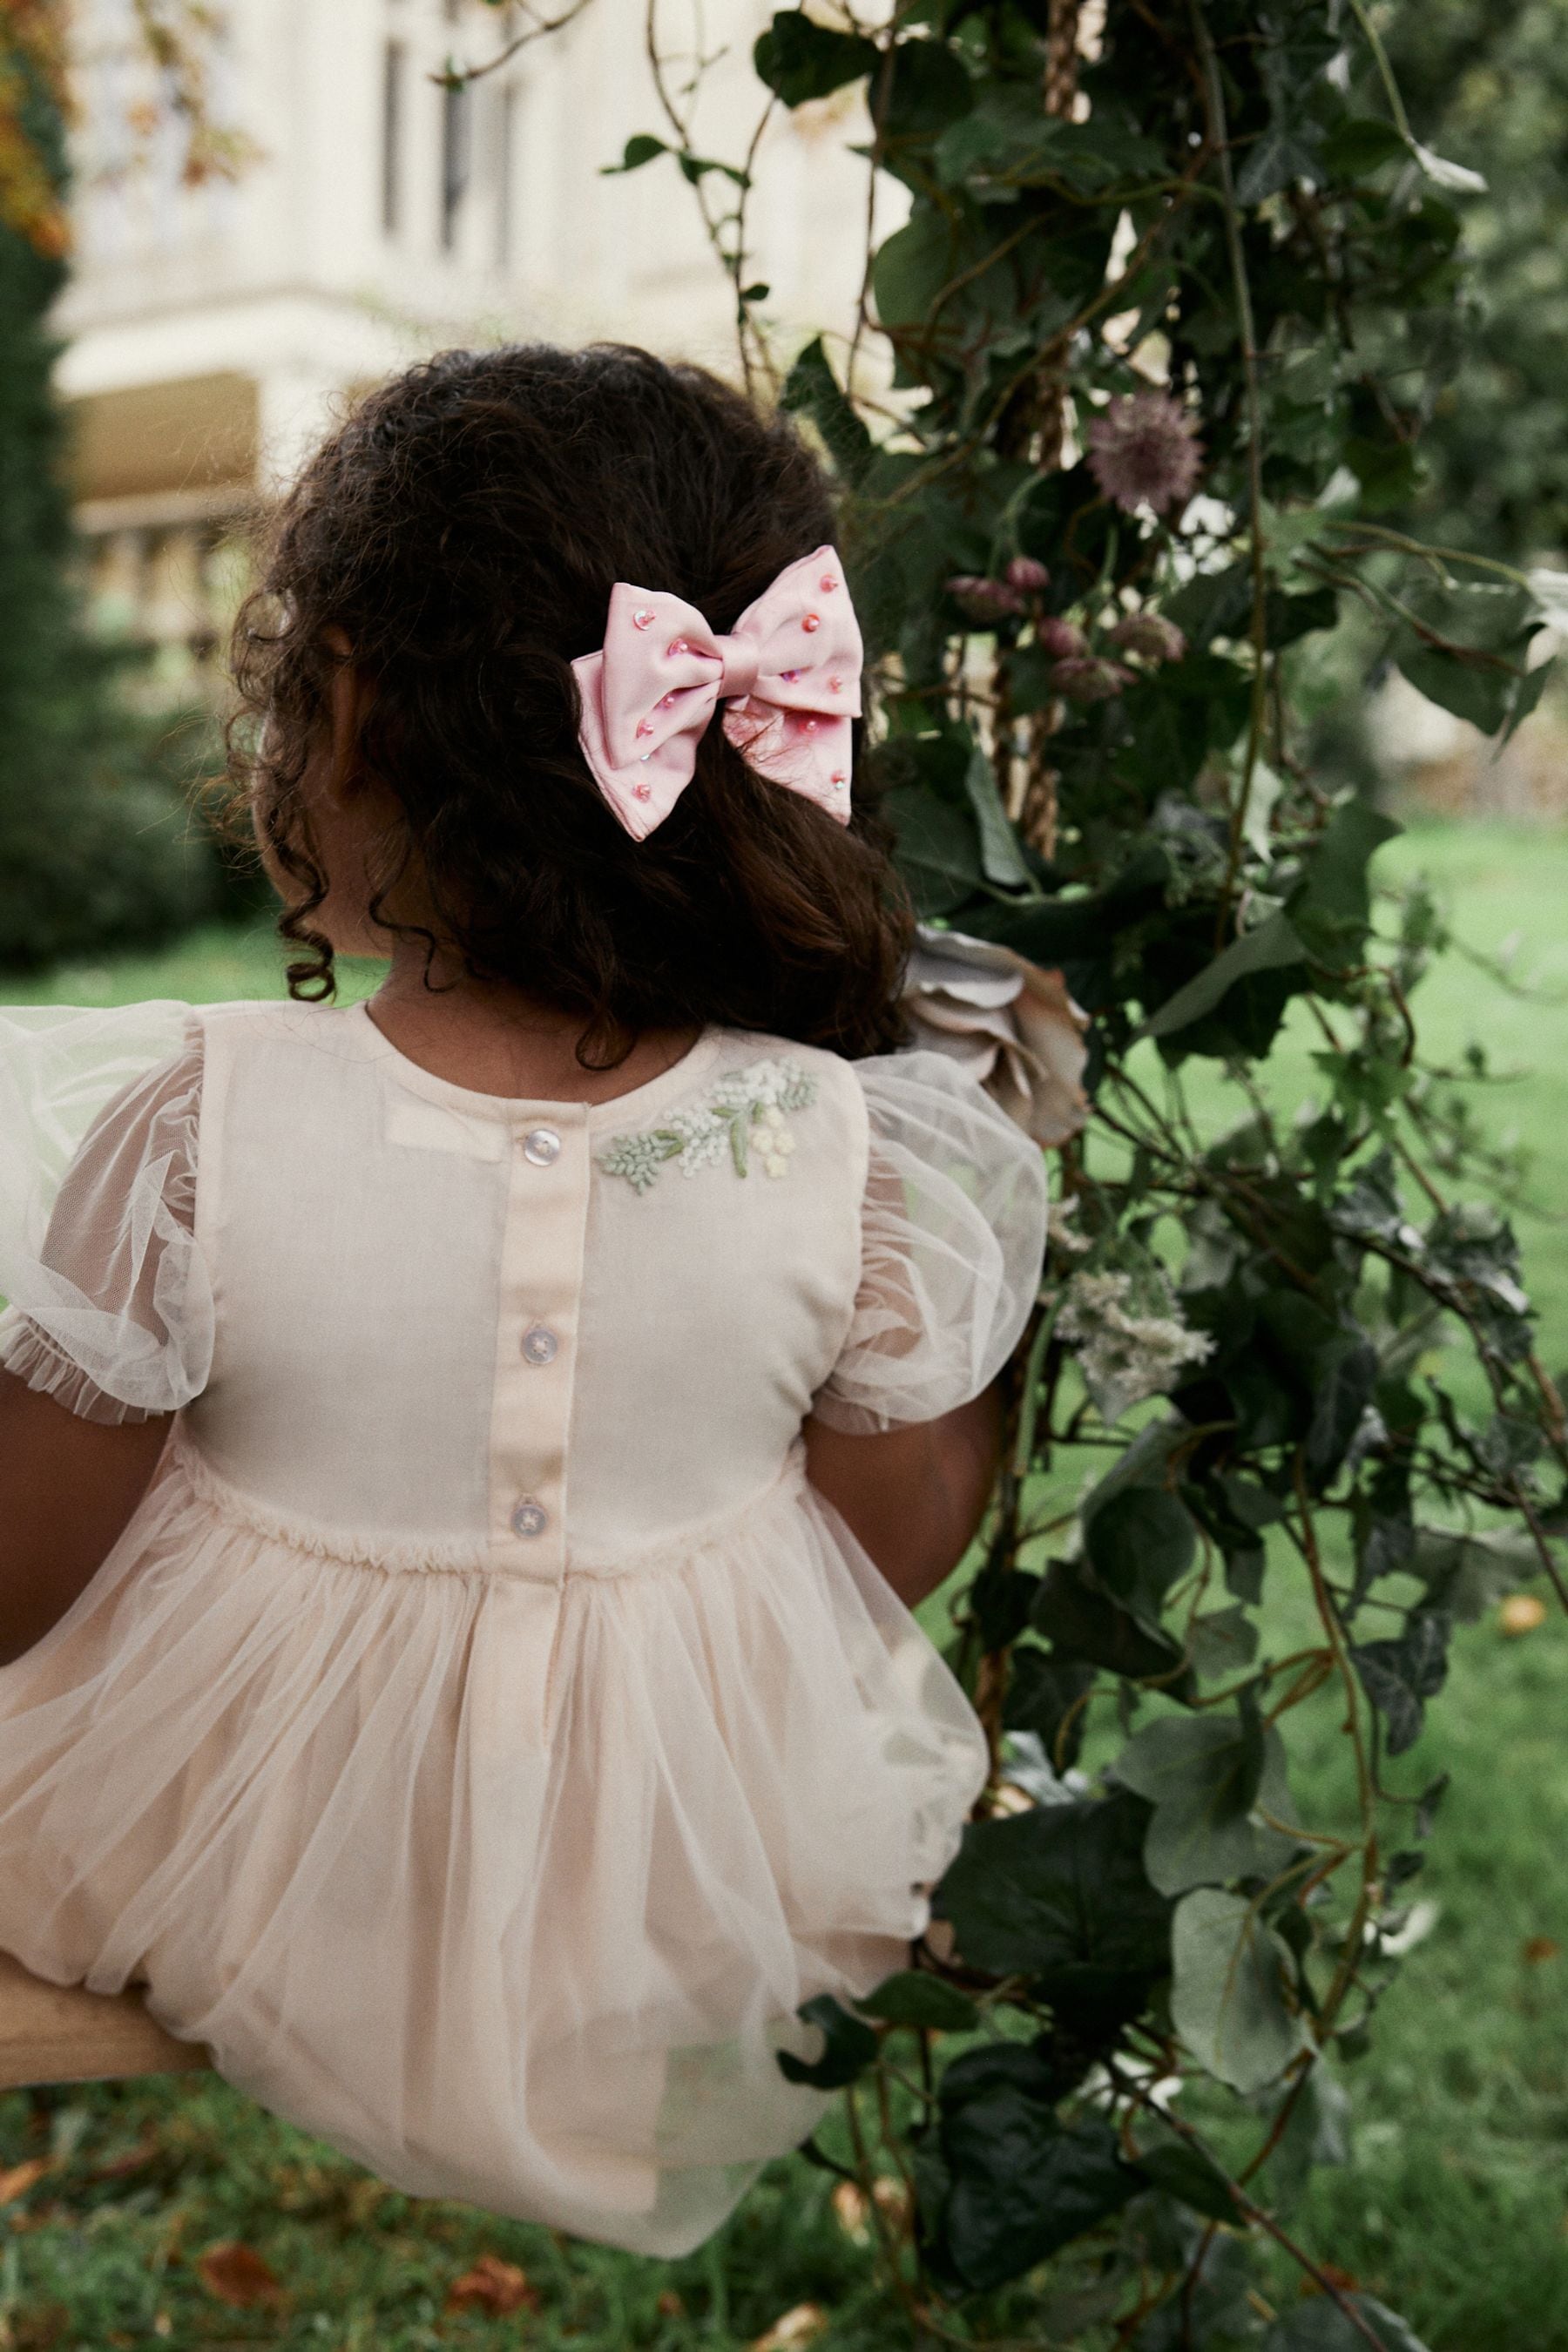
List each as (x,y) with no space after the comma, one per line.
(290,282)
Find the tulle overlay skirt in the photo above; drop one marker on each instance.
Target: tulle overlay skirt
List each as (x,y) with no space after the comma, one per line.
(510,1890)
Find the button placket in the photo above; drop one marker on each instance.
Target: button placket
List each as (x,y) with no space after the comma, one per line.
(540,1275)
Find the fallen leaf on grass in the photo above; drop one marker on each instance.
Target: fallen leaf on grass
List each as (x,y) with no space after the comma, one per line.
(795,2327)
(118,2167)
(17,2179)
(500,2288)
(1521,1612)
(235,2273)
(1540,1948)
(1346,2281)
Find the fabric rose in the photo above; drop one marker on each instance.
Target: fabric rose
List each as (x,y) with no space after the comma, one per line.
(1012,1024)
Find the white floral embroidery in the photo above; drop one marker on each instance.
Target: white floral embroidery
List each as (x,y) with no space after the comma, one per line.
(746,1108)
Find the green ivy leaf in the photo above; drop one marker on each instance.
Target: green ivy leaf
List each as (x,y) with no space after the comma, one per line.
(1361,145)
(1000,1599)
(1001,860)
(1331,906)
(1023,2183)
(812,386)
(939,850)
(1479,670)
(1337,1370)
(1317,2132)
(1060,1895)
(1203,1775)
(1044,1692)
(1273,945)
(928,89)
(1465,1575)
(1400,1675)
(1278,159)
(1178,2168)
(1222,1642)
(1140,1542)
(799,59)
(911,269)
(914,1996)
(639,150)
(1075,1612)
(1004,132)
(848,2046)
(1227,1990)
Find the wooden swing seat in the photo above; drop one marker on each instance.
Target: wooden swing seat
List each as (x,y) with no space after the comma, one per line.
(63,2033)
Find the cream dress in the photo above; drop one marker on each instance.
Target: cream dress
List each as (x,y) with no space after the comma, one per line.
(482,1735)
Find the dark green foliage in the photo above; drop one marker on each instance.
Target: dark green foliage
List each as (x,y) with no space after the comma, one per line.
(96,848)
(1020,2182)
(1145,817)
(1059,1895)
(1487,81)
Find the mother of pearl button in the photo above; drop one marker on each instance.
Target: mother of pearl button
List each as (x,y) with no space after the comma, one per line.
(542,1146)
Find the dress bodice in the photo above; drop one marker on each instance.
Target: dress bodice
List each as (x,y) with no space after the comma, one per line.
(440,1326)
(443,1316)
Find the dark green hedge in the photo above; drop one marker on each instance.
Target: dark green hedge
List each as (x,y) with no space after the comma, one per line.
(96,848)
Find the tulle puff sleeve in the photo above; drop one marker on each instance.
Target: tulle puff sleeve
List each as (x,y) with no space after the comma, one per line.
(954,1231)
(109,1308)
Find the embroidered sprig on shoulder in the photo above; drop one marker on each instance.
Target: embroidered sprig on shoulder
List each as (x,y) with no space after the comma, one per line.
(743,1114)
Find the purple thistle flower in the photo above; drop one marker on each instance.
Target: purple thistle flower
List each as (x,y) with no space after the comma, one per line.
(983,599)
(1090,680)
(1028,574)
(1143,450)
(1061,639)
(1150,636)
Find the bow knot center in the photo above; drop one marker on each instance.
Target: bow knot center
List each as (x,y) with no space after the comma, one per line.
(741,657)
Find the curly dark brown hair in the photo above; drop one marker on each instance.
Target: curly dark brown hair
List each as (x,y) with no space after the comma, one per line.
(463,528)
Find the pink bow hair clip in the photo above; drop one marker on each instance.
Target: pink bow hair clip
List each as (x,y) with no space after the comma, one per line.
(788,675)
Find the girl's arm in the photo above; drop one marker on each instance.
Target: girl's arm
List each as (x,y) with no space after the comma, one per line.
(67,1487)
(915,1496)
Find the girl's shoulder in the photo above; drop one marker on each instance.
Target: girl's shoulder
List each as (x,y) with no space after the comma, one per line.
(914,1087)
(919,1105)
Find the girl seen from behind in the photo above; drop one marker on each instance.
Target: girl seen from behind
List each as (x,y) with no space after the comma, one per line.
(466,1459)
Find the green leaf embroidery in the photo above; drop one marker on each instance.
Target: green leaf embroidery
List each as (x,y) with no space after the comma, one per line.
(743,1111)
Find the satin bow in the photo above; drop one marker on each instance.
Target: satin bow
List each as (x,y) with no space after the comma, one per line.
(788,674)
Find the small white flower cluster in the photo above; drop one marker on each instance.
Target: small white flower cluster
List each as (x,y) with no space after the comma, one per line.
(1064,1232)
(774,1139)
(746,1108)
(1124,1357)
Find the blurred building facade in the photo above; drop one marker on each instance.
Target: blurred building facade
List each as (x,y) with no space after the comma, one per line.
(210,330)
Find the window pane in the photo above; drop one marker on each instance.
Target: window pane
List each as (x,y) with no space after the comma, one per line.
(391,106)
(457,112)
(506,169)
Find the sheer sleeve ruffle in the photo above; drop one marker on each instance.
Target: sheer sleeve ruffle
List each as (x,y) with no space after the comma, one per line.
(109,1308)
(954,1231)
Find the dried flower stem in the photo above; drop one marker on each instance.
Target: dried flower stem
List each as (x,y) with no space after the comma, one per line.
(1218,141)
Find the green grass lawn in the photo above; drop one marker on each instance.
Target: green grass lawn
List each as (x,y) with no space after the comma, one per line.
(1454,2209)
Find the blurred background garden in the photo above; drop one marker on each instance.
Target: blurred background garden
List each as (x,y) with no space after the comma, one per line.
(218,223)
